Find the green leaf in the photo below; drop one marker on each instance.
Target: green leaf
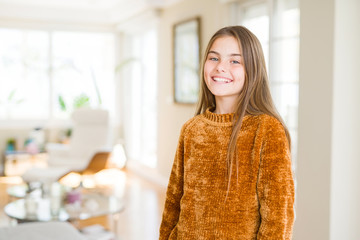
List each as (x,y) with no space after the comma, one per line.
(11,95)
(124,63)
(62,103)
(81,101)
(20,101)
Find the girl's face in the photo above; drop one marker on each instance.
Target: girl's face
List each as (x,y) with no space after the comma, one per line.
(224,70)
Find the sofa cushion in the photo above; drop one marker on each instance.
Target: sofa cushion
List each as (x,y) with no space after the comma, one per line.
(41,231)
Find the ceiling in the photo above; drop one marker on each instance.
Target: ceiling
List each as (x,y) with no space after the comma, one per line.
(77,11)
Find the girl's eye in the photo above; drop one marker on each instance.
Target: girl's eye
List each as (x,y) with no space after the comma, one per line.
(213,59)
(235,62)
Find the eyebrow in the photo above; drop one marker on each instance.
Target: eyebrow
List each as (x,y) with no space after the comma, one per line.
(233,54)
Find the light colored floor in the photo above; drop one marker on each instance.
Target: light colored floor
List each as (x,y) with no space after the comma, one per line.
(140,219)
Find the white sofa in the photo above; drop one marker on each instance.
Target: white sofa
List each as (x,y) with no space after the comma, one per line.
(41,231)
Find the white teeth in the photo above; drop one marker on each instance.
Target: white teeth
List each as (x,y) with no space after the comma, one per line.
(222,80)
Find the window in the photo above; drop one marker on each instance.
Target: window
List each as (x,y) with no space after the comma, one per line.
(44,75)
(83,68)
(277,25)
(140,89)
(24,78)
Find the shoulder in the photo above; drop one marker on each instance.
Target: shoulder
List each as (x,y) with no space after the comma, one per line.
(265,122)
(273,132)
(271,123)
(189,124)
(268,128)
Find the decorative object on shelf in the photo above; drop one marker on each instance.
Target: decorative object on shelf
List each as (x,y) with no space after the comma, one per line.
(37,135)
(31,147)
(10,145)
(74,196)
(186,61)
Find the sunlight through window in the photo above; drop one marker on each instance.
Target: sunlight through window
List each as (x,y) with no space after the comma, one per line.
(46,74)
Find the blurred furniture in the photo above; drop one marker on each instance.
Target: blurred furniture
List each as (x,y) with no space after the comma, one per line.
(41,231)
(93,203)
(99,161)
(90,134)
(17,191)
(17,163)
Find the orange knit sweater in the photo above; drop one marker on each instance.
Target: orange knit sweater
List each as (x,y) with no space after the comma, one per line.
(260,202)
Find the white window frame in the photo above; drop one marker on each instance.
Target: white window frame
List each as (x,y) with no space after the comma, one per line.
(49,121)
(136,28)
(234,19)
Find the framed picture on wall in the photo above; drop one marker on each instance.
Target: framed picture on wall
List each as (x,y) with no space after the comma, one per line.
(186,35)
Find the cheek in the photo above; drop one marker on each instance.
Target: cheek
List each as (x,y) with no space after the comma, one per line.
(240,74)
(207,70)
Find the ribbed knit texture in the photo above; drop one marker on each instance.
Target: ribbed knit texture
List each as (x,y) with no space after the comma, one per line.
(261,197)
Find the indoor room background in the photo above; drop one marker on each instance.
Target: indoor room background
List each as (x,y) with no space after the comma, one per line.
(119,56)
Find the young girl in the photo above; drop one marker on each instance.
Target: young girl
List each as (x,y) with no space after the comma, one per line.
(231,177)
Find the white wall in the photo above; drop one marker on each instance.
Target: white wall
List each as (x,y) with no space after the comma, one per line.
(345,164)
(315,120)
(328,168)
(172,116)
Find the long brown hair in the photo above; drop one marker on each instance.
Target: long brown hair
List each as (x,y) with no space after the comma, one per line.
(254,98)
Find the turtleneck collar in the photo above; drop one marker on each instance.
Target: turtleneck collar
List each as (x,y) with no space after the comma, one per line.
(219,118)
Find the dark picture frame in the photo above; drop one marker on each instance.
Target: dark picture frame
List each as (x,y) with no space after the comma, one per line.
(186,60)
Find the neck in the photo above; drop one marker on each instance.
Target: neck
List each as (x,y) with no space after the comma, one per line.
(224,105)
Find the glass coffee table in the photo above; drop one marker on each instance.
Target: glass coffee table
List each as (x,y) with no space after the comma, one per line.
(93,204)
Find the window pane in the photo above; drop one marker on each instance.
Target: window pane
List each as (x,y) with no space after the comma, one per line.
(24,62)
(286,60)
(135,78)
(149,104)
(83,71)
(256,19)
(141,97)
(286,97)
(287,14)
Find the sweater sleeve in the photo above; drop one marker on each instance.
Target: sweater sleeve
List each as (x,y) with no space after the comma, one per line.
(275,185)
(174,193)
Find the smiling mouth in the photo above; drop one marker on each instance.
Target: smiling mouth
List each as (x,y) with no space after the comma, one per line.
(222,80)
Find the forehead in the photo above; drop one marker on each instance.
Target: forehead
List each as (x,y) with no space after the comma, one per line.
(226,45)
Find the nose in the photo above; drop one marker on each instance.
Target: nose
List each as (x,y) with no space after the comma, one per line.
(221,66)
